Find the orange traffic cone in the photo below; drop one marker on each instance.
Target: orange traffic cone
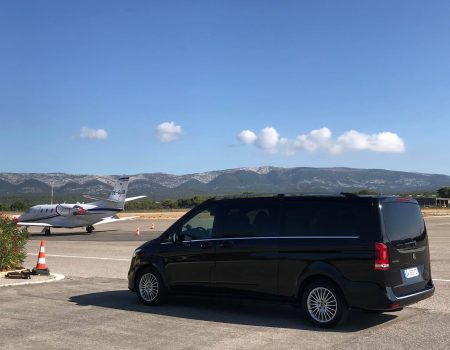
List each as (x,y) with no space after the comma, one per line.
(41,266)
(138,231)
(152,226)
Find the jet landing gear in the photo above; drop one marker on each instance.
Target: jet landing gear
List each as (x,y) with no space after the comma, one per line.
(46,231)
(90,228)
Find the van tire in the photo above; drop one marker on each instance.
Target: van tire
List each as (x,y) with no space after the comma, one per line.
(323,304)
(150,287)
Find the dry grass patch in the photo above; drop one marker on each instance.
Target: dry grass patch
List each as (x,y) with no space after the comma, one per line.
(435,211)
(157,215)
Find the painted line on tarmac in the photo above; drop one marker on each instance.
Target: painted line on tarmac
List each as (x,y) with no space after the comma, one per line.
(56,277)
(440,280)
(82,257)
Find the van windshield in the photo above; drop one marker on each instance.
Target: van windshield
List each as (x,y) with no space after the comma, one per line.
(403,222)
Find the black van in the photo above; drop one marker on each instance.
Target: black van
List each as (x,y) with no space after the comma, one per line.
(329,253)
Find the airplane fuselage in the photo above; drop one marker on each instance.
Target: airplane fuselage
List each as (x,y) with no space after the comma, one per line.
(102,211)
(67,215)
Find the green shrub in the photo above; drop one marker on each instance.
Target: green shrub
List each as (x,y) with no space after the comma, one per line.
(444,192)
(13,242)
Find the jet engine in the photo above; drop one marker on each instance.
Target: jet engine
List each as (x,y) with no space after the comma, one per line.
(78,210)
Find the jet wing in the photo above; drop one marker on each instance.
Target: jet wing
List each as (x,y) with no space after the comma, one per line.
(110,219)
(40,224)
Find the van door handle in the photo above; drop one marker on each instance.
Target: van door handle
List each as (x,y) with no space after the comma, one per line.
(226,244)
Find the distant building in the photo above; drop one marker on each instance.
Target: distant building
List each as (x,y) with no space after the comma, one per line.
(432,202)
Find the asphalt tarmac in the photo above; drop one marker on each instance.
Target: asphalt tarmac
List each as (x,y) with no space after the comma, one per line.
(92,307)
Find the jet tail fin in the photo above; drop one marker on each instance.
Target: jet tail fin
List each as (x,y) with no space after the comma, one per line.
(119,192)
(118,195)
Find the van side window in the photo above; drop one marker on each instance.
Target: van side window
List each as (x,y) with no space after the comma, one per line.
(200,226)
(325,219)
(246,219)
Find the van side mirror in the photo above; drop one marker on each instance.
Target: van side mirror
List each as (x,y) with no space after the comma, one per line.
(175,237)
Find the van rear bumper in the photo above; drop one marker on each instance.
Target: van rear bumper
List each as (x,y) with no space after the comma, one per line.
(372,297)
(410,298)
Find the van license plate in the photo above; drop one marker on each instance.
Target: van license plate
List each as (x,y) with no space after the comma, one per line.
(412,272)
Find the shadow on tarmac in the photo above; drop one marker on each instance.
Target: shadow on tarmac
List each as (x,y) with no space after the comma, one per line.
(69,234)
(228,310)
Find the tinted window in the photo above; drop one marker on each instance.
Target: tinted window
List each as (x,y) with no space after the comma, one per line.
(403,221)
(246,219)
(199,226)
(322,218)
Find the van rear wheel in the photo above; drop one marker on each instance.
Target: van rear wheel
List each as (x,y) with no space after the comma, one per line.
(323,304)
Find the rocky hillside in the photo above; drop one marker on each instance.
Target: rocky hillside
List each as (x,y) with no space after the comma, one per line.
(231,181)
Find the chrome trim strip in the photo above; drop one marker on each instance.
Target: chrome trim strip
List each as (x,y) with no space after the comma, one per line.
(393,297)
(271,237)
(320,237)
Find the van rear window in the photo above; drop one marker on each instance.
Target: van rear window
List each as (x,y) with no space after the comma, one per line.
(403,221)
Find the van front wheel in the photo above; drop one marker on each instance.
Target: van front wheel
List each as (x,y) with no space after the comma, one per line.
(323,304)
(150,287)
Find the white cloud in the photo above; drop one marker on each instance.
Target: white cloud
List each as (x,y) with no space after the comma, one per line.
(247,137)
(168,132)
(381,142)
(93,134)
(321,139)
(268,139)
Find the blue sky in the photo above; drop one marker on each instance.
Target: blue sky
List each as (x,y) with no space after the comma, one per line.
(115,87)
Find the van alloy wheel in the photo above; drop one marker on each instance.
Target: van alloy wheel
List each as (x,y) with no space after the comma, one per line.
(322,304)
(148,287)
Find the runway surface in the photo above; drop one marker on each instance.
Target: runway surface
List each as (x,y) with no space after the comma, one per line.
(93,308)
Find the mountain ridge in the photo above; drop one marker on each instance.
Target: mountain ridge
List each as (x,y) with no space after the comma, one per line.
(265,179)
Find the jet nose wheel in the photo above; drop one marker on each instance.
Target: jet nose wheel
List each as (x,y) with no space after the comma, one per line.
(89,229)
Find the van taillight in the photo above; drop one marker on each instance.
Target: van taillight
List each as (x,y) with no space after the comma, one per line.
(381,257)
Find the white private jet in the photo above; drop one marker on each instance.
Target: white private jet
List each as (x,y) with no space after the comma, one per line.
(102,211)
